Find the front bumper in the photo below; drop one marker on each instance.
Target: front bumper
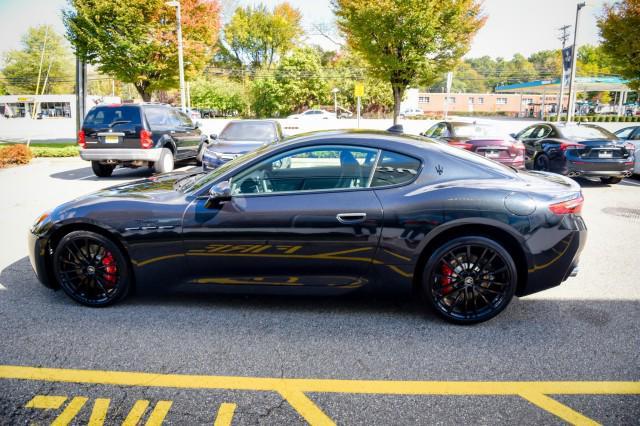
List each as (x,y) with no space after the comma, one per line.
(38,247)
(121,154)
(211,161)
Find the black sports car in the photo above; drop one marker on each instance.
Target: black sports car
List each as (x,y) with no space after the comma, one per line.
(577,150)
(324,212)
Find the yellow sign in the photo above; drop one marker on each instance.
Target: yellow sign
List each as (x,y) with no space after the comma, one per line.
(358,89)
(24,99)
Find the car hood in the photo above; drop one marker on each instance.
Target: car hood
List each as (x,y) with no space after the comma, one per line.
(235,147)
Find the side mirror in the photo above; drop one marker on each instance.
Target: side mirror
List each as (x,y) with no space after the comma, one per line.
(213,136)
(513,135)
(219,192)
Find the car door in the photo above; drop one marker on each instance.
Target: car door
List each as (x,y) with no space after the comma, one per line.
(302,218)
(527,137)
(186,134)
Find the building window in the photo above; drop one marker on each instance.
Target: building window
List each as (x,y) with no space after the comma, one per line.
(450,100)
(423,99)
(527,101)
(471,101)
(501,101)
(480,101)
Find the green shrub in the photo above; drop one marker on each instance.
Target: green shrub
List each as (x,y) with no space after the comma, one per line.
(14,154)
(55,150)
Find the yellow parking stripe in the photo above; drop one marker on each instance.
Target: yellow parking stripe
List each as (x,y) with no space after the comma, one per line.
(159,413)
(136,413)
(46,402)
(560,410)
(99,412)
(225,414)
(306,408)
(70,411)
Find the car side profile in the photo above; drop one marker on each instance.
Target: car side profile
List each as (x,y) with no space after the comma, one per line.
(632,136)
(239,137)
(313,114)
(326,212)
(138,135)
(577,150)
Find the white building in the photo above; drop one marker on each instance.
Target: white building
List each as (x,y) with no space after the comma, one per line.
(47,106)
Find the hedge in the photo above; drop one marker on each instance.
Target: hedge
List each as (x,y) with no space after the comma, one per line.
(598,118)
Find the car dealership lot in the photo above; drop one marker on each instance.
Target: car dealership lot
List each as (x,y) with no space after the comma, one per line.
(58,355)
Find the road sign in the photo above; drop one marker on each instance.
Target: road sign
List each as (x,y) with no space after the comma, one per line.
(358,89)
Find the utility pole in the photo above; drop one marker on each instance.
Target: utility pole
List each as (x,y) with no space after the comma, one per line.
(176,4)
(564,36)
(573,64)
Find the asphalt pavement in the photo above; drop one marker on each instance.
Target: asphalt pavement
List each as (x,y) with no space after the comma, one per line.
(569,354)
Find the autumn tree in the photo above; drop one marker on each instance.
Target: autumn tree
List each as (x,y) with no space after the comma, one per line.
(256,37)
(43,56)
(409,41)
(135,40)
(620,30)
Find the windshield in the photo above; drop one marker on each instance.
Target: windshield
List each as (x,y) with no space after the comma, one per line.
(219,171)
(587,132)
(249,131)
(477,131)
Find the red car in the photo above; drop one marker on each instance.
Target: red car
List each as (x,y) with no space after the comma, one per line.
(482,139)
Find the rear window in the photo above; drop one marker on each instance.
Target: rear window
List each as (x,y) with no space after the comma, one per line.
(395,169)
(248,131)
(587,132)
(111,116)
(476,131)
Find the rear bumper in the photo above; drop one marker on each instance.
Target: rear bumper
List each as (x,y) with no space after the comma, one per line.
(117,154)
(573,166)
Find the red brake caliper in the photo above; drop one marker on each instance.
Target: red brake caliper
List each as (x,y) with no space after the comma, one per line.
(445,282)
(110,268)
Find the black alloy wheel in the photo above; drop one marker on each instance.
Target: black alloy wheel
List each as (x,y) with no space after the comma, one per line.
(91,269)
(541,163)
(470,279)
(102,170)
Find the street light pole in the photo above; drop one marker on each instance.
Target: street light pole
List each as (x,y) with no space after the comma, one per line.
(573,65)
(335,91)
(176,4)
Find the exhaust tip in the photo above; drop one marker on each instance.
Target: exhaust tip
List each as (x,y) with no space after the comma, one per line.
(574,272)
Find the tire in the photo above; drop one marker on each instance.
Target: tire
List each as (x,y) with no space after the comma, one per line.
(611,180)
(102,170)
(541,163)
(165,162)
(91,269)
(467,269)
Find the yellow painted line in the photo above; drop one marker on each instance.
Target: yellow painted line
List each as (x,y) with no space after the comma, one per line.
(46,402)
(136,413)
(397,270)
(159,413)
(99,412)
(399,256)
(560,410)
(70,411)
(390,387)
(225,414)
(306,408)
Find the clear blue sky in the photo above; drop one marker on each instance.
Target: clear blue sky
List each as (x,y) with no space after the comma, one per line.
(513,26)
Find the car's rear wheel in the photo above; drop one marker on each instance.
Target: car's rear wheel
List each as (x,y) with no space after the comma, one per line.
(165,162)
(541,163)
(469,280)
(611,180)
(91,269)
(102,170)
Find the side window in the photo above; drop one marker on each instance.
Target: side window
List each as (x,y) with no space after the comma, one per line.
(636,135)
(625,133)
(308,169)
(430,131)
(440,130)
(527,133)
(394,169)
(184,119)
(543,132)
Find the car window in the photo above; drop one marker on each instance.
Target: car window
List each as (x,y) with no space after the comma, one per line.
(308,169)
(440,130)
(112,116)
(394,169)
(158,116)
(248,131)
(430,131)
(185,121)
(541,132)
(587,132)
(636,135)
(625,133)
(526,133)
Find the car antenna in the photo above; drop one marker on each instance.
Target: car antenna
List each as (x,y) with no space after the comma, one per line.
(396,128)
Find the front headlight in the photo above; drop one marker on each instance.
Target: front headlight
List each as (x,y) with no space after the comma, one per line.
(40,220)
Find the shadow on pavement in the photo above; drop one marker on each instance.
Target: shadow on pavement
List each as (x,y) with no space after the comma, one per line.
(85,173)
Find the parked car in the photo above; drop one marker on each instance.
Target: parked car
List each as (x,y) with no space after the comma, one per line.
(325,212)
(632,136)
(577,150)
(238,138)
(314,114)
(193,114)
(136,135)
(482,139)
(411,112)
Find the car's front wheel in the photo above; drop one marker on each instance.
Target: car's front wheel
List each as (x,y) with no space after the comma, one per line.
(91,269)
(469,279)
(165,162)
(611,180)
(102,170)
(541,163)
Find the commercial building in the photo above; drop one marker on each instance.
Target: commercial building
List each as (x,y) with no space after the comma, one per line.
(46,106)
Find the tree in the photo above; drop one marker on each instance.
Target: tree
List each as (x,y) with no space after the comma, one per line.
(409,41)
(135,40)
(300,77)
(266,97)
(219,94)
(23,66)
(620,30)
(255,37)
(547,63)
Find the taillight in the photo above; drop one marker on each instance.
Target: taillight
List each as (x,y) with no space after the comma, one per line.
(145,139)
(629,147)
(568,207)
(458,143)
(82,141)
(516,149)
(565,146)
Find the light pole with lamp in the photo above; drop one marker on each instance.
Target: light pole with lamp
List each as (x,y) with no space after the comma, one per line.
(176,4)
(335,91)
(572,95)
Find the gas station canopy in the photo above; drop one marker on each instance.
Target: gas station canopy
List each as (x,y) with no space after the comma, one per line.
(582,84)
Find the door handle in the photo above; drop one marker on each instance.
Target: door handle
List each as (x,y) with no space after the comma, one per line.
(351,218)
